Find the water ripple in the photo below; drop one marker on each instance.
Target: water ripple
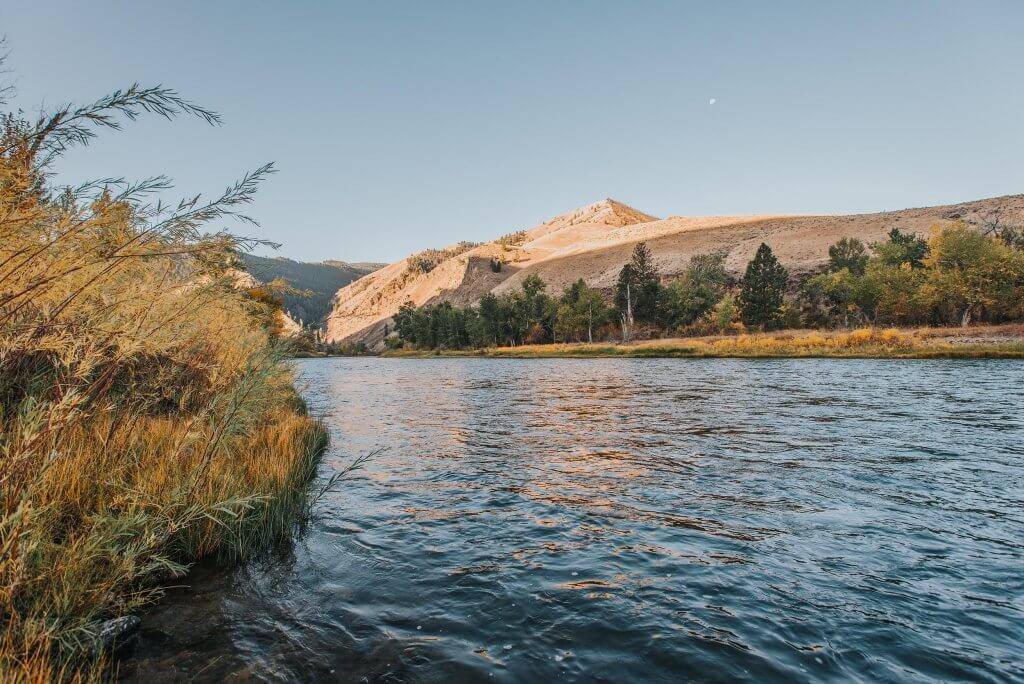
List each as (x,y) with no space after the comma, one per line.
(636,520)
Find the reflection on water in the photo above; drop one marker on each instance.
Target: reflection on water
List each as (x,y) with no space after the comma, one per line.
(636,520)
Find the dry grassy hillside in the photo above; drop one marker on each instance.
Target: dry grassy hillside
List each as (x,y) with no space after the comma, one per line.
(595,241)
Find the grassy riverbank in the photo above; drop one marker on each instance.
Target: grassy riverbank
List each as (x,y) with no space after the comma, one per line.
(918,343)
(147,419)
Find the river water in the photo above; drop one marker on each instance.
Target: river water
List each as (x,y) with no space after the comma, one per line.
(635,520)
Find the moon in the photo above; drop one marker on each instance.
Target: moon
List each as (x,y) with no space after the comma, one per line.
(712,100)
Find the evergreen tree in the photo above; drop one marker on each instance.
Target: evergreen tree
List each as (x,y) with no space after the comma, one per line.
(638,282)
(764,286)
(643,266)
(625,288)
(648,284)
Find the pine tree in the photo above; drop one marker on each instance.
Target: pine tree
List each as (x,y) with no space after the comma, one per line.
(625,287)
(636,293)
(642,264)
(764,286)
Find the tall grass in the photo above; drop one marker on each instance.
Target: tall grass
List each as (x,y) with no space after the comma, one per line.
(146,417)
(859,343)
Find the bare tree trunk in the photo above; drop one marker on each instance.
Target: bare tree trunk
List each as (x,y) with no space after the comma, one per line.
(965,320)
(629,305)
(627,318)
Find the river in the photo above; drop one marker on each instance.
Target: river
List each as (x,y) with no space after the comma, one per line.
(634,520)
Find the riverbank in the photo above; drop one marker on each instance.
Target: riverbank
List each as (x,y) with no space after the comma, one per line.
(147,419)
(1002,342)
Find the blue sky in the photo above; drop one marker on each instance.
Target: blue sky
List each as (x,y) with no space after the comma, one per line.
(399,126)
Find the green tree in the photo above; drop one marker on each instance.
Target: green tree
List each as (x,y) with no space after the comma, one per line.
(695,293)
(764,288)
(539,311)
(902,249)
(896,293)
(592,305)
(405,323)
(625,289)
(837,298)
(580,310)
(647,284)
(533,286)
(489,331)
(848,253)
(643,263)
(725,315)
(637,289)
(625,299)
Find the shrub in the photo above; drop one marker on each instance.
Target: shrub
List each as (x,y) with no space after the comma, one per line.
(427,260)
(513,239)
(146,419)
(723,319)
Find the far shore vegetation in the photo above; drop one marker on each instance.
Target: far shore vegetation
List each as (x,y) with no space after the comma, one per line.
(146,417)
(1004,342)
(870,300)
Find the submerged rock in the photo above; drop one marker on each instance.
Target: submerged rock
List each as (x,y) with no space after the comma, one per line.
(117,632)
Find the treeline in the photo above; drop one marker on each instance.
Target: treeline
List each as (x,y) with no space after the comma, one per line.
(958,276)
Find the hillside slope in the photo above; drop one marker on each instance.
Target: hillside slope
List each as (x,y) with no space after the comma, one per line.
(321,279)
(595,241)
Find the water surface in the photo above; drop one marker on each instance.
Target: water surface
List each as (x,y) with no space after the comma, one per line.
(636,520)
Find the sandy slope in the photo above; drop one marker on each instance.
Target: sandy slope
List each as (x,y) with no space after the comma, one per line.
(595,241)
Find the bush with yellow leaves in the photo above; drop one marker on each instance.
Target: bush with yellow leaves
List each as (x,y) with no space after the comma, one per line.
(146,417)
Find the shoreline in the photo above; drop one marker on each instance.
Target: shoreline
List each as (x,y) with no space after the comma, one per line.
(982,342)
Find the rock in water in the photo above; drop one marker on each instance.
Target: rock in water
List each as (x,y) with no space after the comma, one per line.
(116,632)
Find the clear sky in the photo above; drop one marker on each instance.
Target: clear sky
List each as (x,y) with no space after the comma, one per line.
(400,126)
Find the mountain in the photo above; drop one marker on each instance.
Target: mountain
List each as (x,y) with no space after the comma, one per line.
(321,279)
(367,266)
(595,241)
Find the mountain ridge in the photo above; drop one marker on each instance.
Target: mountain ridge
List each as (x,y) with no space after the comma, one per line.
(594,241)
(321,279)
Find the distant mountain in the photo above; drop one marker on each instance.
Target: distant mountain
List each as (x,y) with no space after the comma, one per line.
(321,279)
(368,266)
(594,242)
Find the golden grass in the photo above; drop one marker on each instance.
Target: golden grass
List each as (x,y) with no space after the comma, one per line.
(95,529)
(859,343)
(146,417)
